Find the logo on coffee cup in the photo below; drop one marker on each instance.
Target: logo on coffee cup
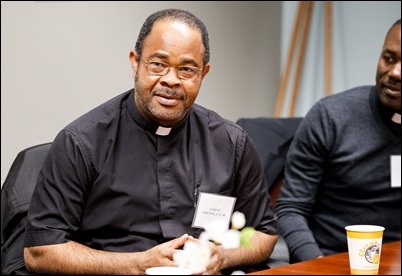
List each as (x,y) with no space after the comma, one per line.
(371,252)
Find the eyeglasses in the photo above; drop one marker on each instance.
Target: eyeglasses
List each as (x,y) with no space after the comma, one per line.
(156,68)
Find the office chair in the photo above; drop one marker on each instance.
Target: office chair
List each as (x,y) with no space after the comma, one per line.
(272,138)
(16,195)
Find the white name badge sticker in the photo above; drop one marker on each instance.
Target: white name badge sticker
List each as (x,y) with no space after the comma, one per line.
(395,171)
(213,207)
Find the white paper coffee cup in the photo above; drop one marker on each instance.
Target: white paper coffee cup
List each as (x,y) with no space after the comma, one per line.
(364,248)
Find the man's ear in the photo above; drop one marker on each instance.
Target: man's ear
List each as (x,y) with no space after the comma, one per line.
(133,61)
(206,70)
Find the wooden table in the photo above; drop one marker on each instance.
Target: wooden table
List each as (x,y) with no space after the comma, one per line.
(390,264)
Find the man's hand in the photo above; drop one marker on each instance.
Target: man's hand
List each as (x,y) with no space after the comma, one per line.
(216,261)
(162,255)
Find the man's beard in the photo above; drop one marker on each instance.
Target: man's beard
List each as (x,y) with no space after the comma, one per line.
(153,112)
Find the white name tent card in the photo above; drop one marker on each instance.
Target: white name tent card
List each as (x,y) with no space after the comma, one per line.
(213,207)
(395,171)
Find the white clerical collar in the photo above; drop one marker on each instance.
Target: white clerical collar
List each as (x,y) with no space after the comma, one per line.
(164,131)
(396,118)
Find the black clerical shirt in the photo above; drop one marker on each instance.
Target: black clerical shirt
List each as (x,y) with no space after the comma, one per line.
(112,183)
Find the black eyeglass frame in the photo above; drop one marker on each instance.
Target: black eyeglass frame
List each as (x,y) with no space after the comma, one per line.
(168,67)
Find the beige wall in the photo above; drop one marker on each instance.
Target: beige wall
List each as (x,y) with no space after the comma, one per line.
(59,59)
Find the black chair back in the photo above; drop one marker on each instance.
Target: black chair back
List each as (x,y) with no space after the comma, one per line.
(272,138)
(16,193)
